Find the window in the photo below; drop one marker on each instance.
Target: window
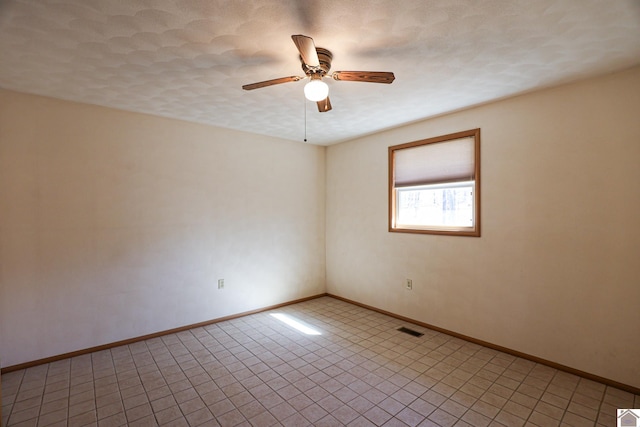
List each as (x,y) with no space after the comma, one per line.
(434,185)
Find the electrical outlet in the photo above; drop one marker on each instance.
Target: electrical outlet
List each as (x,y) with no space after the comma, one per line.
(220,283)
(408,284)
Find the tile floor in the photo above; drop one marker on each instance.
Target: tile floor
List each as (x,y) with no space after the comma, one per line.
(258,371)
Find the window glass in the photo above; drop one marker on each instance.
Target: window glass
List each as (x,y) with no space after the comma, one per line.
(434,185)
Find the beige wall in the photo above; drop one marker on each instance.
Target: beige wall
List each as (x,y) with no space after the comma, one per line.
(556,273)
(115,224)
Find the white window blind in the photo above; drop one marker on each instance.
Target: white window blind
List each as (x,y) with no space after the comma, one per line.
(438,162)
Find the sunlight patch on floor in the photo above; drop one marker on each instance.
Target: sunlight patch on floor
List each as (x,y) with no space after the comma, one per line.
(296,324)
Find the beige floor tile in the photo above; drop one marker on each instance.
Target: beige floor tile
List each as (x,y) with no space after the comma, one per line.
(442,418)
(257,371)
(138,412)
(575,420)
(542,420)
(509,419)
(476,419)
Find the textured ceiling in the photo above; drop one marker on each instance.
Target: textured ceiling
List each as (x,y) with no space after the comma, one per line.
(188,59)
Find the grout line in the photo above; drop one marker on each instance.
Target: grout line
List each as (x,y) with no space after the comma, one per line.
(13,404)
(569,403)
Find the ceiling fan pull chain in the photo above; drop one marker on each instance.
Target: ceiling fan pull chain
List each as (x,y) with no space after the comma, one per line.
(304,100)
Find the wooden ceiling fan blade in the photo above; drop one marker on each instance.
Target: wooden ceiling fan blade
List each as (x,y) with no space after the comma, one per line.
(307,49)
(364,76)
(324,105)
(271,82)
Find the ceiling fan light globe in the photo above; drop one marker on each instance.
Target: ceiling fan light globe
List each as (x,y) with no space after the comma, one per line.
(316,90)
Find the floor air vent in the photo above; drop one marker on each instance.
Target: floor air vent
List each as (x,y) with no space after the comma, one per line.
(410,331)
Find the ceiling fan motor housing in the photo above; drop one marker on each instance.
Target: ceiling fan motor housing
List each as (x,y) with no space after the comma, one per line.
(324,57)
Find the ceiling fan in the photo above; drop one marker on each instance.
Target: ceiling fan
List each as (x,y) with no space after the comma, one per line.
(316,63)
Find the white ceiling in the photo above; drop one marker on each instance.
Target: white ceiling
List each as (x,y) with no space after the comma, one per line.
(188,59)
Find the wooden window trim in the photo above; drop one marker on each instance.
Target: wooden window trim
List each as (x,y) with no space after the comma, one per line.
(475,133)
